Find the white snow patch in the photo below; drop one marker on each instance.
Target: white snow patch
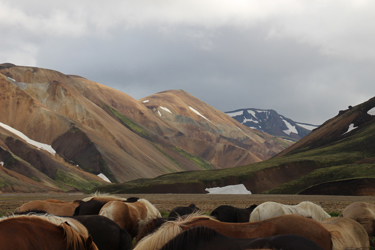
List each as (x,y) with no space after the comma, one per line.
(371,112)
(233,114)
(11,79)
(351,127)
(291,129)
(249,120)
(166,109)
(39,145)
(159,113)
(105,178)
(231,189)
(306,126)
(146,101)
(195,111)
(251,112)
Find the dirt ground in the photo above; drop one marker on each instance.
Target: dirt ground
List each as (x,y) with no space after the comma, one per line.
(206,202)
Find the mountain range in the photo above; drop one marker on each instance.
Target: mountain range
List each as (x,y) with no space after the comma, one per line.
(63,133)
(337,158)
(269,121)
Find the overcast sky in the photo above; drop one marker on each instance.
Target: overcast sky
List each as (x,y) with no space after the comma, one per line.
(305,59)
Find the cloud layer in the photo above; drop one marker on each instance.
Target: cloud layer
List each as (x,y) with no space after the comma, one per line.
(305,59)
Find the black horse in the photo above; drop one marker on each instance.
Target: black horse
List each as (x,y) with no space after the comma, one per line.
(204,238)
(226,213)
(107,235)
(180,211)
(91,207)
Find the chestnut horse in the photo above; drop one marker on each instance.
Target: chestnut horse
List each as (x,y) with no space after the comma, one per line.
(204,238)
(59,208)
(130,216)
(285,224)
(364,214)
(271,209)
(347,233)
(35,233)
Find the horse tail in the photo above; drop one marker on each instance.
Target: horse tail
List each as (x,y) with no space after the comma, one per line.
(73,239)
(125,240)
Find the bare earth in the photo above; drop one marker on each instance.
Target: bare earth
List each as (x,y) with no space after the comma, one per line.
(206,202)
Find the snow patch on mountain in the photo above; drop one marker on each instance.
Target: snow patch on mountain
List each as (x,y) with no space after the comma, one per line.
(231,189)
(105,178)
(351,127)
(166,109)
(195,111)
(39,145)
(291,128)
(371,112)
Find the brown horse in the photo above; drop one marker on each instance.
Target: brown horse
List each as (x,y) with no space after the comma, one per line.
(130,216)
(285,224)
(347,233)
(35,233)
(52,207)
(364,214)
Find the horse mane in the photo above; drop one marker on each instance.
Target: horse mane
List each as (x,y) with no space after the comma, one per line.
(168,231)
(190,238)
(149,228)
(56,220)
(73,239)
(97,194)
(314,210)
(152,211)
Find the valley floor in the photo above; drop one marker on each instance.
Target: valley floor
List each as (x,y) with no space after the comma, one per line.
(206,202)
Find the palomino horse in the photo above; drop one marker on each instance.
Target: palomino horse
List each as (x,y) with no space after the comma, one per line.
(180,211)
(271,209)
(204,238)
(226,213)
(364,213)
(59,208)
(347,233)
(285,224)
(103,197)
(130,216)
(35,233)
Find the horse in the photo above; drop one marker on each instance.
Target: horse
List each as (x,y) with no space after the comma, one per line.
(104,197)
(180,211)
(364,214)
(106,234)
(130,216)
(347,233)
(226,213)
(52,207)
(204,238)
(35,233)
(271,209)
(285,224)
(91,207)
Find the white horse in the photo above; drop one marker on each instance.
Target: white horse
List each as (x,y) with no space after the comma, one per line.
(271,209)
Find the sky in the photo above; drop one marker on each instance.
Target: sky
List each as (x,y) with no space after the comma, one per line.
(305,59)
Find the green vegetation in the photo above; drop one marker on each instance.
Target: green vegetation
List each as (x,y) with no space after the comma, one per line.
(128,123)
(75,181)
(204,165)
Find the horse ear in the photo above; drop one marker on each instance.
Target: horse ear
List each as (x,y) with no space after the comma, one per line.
(89,242)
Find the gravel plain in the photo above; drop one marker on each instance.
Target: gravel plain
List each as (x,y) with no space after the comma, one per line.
(206,202)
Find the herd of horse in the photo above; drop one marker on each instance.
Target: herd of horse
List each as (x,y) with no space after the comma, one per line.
(107,222)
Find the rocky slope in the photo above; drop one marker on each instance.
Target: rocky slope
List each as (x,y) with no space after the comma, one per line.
(269,121)
(96,130)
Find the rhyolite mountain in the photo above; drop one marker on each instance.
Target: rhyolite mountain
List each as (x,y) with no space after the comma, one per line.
(337,158)
(96,130)
(269,121)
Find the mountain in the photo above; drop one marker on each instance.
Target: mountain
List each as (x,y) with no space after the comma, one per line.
(95,131)
(337,158)
(269,121)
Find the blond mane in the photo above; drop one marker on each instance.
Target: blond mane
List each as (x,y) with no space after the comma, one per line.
(56,220)
(168,231)
(97,194)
